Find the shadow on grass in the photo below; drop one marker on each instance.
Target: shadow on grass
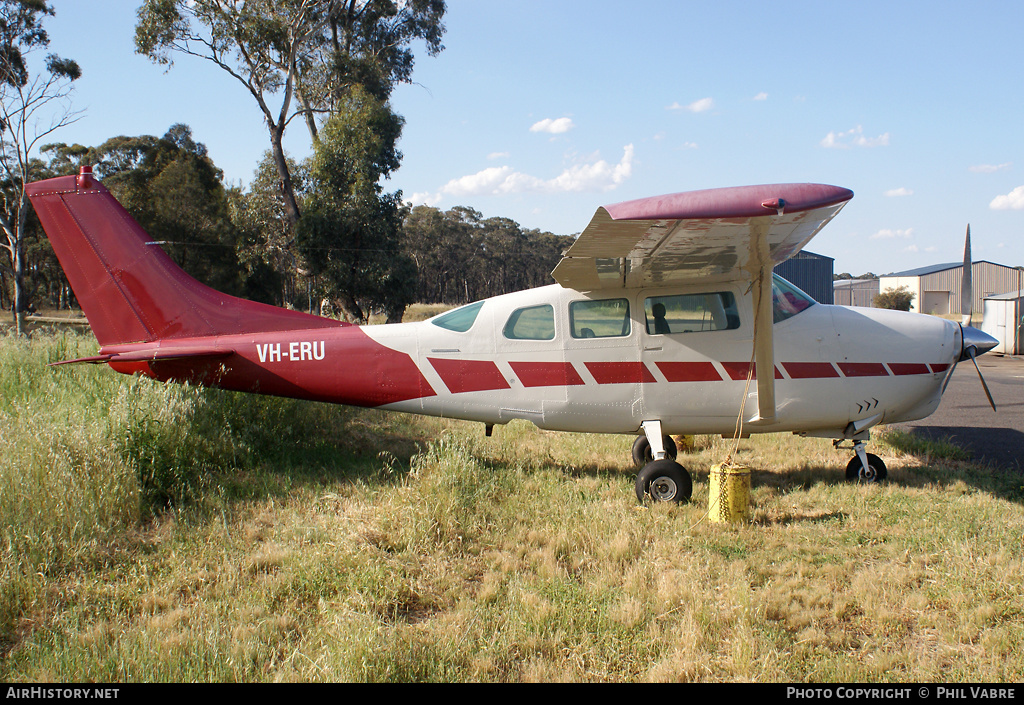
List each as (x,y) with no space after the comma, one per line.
(288,444)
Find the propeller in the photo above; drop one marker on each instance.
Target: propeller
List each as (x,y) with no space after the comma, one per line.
(966,288)
(973,341)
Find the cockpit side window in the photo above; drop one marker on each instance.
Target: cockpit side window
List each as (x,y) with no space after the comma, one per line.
(787,300)
(460,320)
(603,318)
(531,323)
(691,313)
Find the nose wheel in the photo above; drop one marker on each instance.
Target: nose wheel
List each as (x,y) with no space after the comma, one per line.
(865,467)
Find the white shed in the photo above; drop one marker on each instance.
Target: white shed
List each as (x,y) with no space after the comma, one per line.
(1004,321)
(855,292)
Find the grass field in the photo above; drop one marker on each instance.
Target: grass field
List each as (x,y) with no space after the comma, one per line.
(167,533)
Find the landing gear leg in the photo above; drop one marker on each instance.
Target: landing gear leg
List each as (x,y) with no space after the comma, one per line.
(865,467)
(662,479)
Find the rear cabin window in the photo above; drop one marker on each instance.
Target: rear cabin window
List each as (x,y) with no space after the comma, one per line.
(531,323)
(605,318)
(460,320)
(691,313)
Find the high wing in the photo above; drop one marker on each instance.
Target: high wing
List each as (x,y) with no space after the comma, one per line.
(714,234)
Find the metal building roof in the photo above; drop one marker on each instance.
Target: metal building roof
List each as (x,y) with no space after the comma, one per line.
(932,269)
(925,271)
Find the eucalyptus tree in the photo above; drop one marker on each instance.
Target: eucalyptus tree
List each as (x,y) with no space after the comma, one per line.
(294,57)
(172,188)
(350,235)
(34,103)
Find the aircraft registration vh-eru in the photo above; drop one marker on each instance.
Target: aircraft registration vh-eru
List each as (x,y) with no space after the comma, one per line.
(665,319)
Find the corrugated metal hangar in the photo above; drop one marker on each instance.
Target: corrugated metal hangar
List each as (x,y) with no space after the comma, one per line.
(936,288)
(811,273)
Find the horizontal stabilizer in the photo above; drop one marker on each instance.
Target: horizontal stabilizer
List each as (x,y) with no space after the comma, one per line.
(94,360)
(151,355)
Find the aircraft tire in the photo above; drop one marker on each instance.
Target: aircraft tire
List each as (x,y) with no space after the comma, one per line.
(642,450)
(877,471)
(664,481)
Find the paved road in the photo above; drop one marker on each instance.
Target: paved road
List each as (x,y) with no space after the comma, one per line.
(965,417)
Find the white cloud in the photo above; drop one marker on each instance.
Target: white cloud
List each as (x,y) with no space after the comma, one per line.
(887,234)
(598,176)
(854,138)
(697,106)
(901,191)
(761,96)
(593,176)
(498,155)
(423,198)
(1014,200)
(554,127)
(989,168)
(485,181)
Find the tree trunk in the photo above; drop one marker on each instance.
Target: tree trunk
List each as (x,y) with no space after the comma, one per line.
(396,314)
(287,188)
(18,305)
(349,308)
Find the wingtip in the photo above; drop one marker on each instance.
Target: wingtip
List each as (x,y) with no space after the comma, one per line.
(731,202)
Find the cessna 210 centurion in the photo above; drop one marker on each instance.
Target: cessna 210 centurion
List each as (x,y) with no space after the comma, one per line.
(665,318)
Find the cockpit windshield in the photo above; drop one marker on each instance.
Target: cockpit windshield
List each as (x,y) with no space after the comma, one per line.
(787,300)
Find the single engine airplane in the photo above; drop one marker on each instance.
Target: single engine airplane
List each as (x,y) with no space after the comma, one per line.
(665,318)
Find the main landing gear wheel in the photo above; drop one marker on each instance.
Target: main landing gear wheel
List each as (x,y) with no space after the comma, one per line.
(875,471)
(664,481)
(642,450)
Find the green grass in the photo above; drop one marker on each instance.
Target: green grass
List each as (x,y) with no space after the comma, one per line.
(168,533)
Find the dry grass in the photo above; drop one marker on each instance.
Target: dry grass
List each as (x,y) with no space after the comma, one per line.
(311,543)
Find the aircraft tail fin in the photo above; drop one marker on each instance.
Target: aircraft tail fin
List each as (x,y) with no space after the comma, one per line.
(128,287)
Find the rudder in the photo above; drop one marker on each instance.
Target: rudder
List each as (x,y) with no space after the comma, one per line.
(128,287)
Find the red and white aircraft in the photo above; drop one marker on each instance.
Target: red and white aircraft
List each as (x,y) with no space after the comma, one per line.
(665,319)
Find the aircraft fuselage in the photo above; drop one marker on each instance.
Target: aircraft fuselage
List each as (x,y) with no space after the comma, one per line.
(573,361)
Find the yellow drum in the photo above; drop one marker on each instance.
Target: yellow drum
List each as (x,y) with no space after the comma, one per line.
(684,443)
(729,494)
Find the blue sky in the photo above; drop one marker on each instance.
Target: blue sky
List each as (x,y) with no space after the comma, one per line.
(543,111)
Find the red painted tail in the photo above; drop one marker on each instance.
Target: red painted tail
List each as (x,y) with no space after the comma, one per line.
(129,288)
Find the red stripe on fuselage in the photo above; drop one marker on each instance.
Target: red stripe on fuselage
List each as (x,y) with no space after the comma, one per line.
(908,368)
(546,374)
(620,372)
(810,370)
(689,371)
(740,370)
(469,375)
(863,369)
